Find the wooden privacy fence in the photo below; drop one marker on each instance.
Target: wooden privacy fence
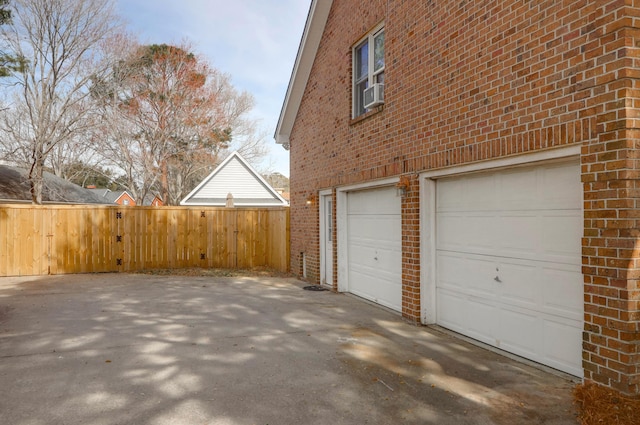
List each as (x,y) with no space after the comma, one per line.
(40,240)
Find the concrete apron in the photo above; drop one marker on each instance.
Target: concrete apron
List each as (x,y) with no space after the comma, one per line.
(141,349)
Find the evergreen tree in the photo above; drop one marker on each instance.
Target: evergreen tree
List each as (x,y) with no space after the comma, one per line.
(9,63)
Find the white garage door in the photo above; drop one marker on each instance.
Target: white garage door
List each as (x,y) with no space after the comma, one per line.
(509,261)
(374,246)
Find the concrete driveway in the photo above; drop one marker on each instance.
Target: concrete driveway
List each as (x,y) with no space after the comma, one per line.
(141,349)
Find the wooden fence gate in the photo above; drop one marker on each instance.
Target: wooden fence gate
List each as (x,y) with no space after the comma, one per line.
(40,240)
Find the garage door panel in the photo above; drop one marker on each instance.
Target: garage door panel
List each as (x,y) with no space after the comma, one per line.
(518,235)
(557,237)
(449,196)
(544,236)
(376,286)
(362,253)
(564,181)
(562,345)
(478,265)
(482,310)
(374,246)
(511,196)
(451,311)
(455,194)
(380,201)
(480,192)
(509,269)
(517,232)
(381,261)
(389,261)
(513,339)
(519,284)
(372,230)
(456,269)
(455,310)
(481,315)
(372,271)
(563,292)
(469,233)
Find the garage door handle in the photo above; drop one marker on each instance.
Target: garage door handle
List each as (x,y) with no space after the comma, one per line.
(375,258)
(497,279)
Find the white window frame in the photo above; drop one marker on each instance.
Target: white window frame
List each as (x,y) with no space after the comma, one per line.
(372,73)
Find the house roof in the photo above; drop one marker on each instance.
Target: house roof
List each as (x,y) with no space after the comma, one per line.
(111,196)
(234,175)
(100,192)
(115,195)
(148,200)
(313,30)
(14,187)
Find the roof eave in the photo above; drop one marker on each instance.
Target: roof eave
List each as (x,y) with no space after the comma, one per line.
(313,30)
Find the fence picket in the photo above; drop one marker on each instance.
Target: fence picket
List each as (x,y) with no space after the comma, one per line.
(61,239)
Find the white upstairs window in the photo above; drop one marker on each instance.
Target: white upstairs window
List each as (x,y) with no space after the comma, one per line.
(368,69)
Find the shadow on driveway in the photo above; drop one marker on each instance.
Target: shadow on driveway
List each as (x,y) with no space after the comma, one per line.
(140,349)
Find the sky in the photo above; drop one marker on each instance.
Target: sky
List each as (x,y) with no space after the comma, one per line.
(254,41)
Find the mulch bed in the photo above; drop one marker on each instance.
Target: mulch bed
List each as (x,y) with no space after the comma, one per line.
(603,406)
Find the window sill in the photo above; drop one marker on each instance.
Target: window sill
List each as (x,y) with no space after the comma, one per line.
(367,115)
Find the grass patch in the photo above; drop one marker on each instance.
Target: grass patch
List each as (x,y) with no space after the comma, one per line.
(604,406)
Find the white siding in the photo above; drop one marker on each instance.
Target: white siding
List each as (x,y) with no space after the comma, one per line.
(234,175)
(234,178)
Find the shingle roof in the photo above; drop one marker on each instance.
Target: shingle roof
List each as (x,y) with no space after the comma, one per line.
(14,187)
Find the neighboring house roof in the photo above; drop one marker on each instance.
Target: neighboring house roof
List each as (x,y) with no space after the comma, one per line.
(237,177)
(111,196)
(154,202)
(148,200)
(99,192)
(119,195)
(14,187)
(313,30)
(115,196)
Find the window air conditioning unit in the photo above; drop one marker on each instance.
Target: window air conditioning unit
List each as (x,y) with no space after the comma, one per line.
(374,95)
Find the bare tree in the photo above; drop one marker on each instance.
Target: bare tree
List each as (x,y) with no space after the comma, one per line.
(167,115)
(115,139)
(57,39)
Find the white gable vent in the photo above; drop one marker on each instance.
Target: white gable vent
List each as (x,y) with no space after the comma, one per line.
(374,95)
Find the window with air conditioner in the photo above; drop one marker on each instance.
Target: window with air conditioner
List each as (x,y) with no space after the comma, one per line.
(368,72)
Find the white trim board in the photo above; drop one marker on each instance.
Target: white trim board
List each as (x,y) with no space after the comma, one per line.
(322,237)
(506,162)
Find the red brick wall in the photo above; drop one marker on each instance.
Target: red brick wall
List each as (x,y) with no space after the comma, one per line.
(125,197)
(611,176)
(473,80)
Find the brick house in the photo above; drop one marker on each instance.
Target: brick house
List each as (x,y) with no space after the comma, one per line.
(476,165)
(120,197)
